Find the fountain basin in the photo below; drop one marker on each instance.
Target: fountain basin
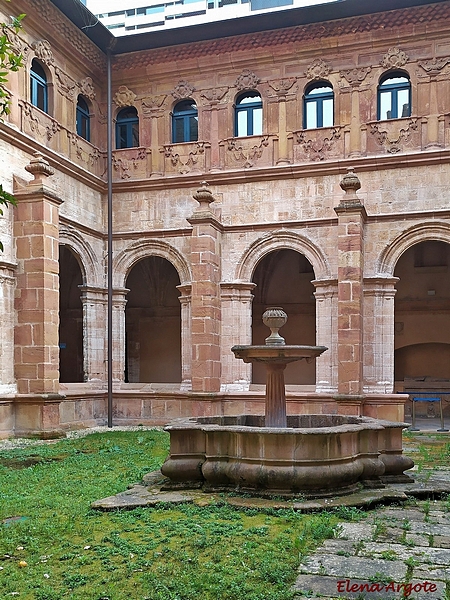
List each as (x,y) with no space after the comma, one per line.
(315,455)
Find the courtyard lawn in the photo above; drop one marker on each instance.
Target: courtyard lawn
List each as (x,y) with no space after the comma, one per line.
(54,546)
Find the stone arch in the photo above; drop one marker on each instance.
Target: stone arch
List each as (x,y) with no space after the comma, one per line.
(282,240)
(89,263)
(143,249)
(430,231)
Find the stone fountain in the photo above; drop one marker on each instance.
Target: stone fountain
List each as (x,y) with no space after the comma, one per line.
(315,455)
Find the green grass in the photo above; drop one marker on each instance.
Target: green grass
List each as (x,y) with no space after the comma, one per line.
(165,553)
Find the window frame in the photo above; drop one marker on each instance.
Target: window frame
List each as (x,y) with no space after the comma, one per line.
(37,83)
(249,109)
(184,116)
(83,119)
(393,90)
(129,124)
(318,100)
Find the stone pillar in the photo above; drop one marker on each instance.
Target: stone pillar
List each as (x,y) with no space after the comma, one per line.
(186,338)
(351,215)
(36,231)
(94,303)
(282,90)
(119,301)
(379,295)
(327,335)
(7,284)
(237,301)
(205,305)
(36,355)
(355,78)
(153,109)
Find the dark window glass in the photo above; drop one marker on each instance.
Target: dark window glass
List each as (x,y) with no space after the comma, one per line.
(185,122)
(127,128)
(38,86)
(394,97)
(318,110)
(83,119)
(248,115)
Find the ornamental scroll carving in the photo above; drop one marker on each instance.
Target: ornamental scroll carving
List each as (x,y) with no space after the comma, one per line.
(65,84)
(90,156)
(86,87)
(152,106)
(282,87)
(182,90)
(392,138)
(434,66)
(355,76)
(123,166)
(214,95)
(318,148)
(394,59)
(318,69)
(247,80)
(124,97)
(17,45)
(185,164)
(32,122)
(247,156)
(43,52)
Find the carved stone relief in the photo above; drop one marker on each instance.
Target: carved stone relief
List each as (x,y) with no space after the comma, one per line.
(187,163)
(124,97)
(43,52)
(123,166)
(86,154)
(282,87)
(214,95)
(86,87)
(183,89)
(355,76)
(392,138)
(152,106)
(434,66)
(247,157)
(394,59)
(65,84)
(247,80)
(318,69)
(318,148)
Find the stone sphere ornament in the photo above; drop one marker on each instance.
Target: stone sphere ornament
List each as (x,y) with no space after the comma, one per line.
(274,318)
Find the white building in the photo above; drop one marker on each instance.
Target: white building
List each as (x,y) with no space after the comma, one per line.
(125,17)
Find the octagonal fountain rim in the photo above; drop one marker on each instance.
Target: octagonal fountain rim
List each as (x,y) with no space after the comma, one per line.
(273,353)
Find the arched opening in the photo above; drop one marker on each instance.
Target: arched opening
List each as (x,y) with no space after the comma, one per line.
(153,323)
(422,318)
(283,278)
(70,318)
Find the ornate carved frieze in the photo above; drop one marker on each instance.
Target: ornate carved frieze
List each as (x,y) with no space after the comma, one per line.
(43,51)
(214,95)
(182,90)
(394,135)
(153,106)
(434,66)
(185,163)
(247,80)
(319,69)
(317,147)
(52,129)
(65,84)
(394,59)
(124,97)
(283,87)
(17,45)
(355,76)
(83,150)
(246,157)
(127,163)
(86,87)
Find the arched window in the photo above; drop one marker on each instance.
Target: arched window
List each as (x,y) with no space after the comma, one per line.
(394,96)
(83,119)
(38,86)
(127,128)
(318,105)
(248,115)
(185,122)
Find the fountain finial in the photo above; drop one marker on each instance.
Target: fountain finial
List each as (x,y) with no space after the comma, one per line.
(274,318)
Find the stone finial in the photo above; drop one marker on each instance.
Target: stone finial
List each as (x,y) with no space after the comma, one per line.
(274,318)
(39,168)
(204,197)
(350,183)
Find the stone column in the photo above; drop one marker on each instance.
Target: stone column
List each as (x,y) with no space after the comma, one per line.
(186,338)
(237,301)
(216,100)
(282,88)
(379,295)
(327,333)
(36,232)
(355,78)
(7,284)
(119,301)
(351,215)
(94,303)
(205,305)
(153,109)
